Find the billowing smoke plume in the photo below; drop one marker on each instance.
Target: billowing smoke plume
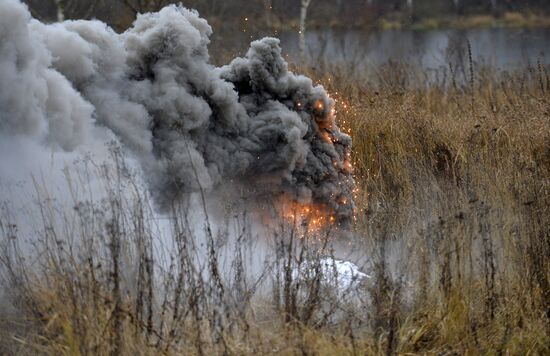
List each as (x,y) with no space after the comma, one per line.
(190,124)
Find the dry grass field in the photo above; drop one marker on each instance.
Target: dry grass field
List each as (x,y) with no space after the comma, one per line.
(453,213)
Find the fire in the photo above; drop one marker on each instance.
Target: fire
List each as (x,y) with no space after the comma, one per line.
(312,217)
(319,105)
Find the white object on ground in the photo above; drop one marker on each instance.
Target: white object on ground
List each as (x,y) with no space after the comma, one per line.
(344,274)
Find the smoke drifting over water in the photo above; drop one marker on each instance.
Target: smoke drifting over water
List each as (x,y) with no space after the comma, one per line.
(190,125)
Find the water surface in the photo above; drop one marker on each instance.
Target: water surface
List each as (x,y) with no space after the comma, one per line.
(504,48)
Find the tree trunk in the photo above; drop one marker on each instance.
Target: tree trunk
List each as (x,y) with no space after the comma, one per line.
(268,12)
(60,5)
(494,5)
(303,17)
(410,10)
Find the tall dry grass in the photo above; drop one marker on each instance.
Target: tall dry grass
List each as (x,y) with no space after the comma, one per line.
(455,179)
(453,217)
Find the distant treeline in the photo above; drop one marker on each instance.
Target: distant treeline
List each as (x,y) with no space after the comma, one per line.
(285,13)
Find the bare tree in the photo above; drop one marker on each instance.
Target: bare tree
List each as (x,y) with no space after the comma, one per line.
(268,5)
(493,5)
(59,4)
(82,9)
(410,5)
(303,17)
(142,6)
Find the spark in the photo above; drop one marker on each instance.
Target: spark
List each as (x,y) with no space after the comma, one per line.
(319,105)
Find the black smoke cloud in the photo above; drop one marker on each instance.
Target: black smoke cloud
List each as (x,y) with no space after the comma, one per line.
(190,125)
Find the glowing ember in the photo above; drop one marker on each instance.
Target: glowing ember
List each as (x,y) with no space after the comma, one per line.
(311,214)
(319,105)
(311,217)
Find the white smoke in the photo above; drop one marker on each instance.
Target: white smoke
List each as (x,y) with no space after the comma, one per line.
(191,126)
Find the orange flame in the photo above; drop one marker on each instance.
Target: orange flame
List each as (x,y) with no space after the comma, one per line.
(312,217)
(316,217)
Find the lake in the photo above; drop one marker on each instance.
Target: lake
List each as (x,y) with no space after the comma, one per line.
(503,48)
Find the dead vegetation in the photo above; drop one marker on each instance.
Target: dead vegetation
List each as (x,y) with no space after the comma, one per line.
(454,216)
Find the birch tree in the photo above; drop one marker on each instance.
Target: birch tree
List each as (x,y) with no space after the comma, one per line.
(82,9)
(142,6)
(456,4)
(303,17)
(59,4)
(494,5)
(268,6)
